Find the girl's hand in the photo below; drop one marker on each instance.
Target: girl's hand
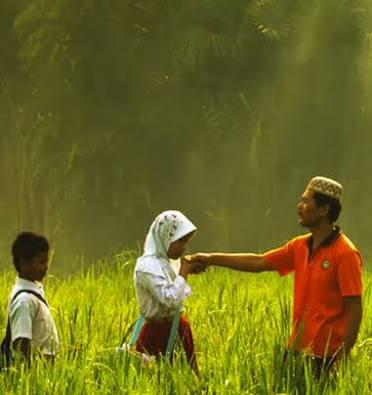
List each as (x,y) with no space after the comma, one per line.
(184,269)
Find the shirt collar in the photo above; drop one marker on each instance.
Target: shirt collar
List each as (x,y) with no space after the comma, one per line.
(22,283)
(328,240)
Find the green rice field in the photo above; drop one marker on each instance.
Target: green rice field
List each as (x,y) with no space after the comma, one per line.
(240,322)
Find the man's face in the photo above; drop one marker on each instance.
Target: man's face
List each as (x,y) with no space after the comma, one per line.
(309,213)
(37,267)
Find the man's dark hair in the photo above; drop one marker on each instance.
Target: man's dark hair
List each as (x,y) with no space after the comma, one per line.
(334,205)
(26,246)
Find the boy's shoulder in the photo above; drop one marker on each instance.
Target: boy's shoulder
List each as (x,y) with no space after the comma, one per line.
(20,296)
(23,305)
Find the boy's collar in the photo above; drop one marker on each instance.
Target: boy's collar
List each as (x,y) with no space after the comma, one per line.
(28,283)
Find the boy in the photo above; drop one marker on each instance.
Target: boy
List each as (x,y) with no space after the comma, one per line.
(31,325)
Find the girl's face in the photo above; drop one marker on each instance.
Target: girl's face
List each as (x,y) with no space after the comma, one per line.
(178,247)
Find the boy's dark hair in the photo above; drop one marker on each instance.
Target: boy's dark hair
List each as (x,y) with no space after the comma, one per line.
(334,205)
(26,246)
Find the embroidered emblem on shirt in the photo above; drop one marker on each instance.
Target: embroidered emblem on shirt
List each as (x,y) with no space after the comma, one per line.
(326,264)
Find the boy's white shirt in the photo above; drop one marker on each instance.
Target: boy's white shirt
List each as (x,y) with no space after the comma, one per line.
(30,318)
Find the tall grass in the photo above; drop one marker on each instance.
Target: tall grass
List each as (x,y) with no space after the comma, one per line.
(240,321)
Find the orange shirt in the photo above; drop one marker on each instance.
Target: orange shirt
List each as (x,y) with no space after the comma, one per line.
(321,280)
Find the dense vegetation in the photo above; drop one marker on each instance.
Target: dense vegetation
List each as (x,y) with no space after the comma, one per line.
(113,110)
(240,323)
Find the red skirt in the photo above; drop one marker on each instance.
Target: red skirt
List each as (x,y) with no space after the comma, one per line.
(153,338)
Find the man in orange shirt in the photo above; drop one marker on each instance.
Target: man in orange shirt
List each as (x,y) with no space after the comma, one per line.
(327,276)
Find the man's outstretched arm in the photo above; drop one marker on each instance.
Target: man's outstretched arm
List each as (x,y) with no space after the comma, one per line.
(254,263)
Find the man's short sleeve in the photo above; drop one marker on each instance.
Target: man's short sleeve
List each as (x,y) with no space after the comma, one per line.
(21,316)
(281,259)
(349,274)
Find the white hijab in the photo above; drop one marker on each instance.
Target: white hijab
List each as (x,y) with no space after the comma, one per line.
(167,227)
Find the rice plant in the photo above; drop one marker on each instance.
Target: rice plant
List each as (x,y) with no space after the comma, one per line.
(240,324)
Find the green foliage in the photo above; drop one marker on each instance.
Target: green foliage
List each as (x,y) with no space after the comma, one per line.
(122,108)
(240,324)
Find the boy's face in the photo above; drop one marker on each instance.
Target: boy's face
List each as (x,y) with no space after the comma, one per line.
(36,268)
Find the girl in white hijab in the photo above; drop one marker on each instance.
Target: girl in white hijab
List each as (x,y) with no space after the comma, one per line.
(159,288)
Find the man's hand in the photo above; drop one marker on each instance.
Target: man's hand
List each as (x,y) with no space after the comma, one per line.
(201,257)
(354,308)
(195,267)
(353,305)
(253,263)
